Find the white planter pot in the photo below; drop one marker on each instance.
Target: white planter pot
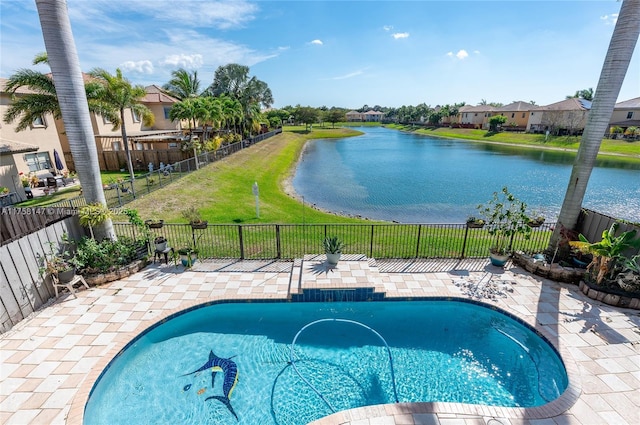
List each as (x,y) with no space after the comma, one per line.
(333,258)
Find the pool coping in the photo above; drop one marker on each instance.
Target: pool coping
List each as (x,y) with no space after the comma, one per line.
(554,408)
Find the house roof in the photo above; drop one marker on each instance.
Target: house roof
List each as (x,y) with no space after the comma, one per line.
(10,147)
(353,113)
(571,104)
(477,108)
(372,112)
(627,104)
(517,106)
(156,95)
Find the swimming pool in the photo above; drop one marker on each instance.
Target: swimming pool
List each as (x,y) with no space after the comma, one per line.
(412,351)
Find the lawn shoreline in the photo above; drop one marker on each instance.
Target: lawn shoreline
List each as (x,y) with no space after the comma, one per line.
(472,138)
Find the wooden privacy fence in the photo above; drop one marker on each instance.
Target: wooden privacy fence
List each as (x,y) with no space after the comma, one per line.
(22,289)
(18,222)
(140,159)
(591,224)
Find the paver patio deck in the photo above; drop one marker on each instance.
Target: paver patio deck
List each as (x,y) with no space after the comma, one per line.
(50,360)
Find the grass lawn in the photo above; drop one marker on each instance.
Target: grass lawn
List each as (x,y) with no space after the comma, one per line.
(631,150)
(222,193)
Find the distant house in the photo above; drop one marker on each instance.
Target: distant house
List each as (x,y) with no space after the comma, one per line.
(626,114)
(475,116)
(369,116)
(140,136)
(30,150)
(568,116)
(517,114)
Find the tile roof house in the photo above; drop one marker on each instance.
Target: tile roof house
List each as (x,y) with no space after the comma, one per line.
(30,150)
(568,116)
(517,114)
(369,116)
(476,116)
(626,114)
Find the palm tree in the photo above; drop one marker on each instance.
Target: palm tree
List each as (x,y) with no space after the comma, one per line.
(233,80)
(623,41)
(231,111)
(186,110)
(116,95)
(70,90)
(183,84)
(42,101)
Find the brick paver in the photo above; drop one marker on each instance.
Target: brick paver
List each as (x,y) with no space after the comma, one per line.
(50,360)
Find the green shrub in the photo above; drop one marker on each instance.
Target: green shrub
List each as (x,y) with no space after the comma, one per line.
(105,256)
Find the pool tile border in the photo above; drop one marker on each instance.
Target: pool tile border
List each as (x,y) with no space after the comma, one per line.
(552,409)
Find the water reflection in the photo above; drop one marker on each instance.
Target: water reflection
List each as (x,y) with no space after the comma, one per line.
(394,176)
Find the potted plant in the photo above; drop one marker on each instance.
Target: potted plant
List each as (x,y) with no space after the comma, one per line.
(332,249)
(154,223)
(608,253)
(57,263)
(188,256)
(194,218)
(505,216)
(160,243)
(474,223)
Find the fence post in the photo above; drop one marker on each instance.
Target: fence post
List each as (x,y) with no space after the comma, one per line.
(241,241)
(418,242)
(464,241)
(371,242)
(278,246)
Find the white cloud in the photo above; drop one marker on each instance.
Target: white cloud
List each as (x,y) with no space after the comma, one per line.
(317,42)
(610,19)
(387,27)
(460,55)
(350,75)
(219,14)
(477,52)
(142,67)
(183,61)
(399,35)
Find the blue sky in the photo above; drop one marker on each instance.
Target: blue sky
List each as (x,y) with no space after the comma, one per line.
(347,54)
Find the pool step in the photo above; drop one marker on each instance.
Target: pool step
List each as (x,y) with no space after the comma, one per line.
(354,272)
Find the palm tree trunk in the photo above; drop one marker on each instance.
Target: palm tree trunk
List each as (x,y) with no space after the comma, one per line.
(67,78)
(623,42)
(127,151)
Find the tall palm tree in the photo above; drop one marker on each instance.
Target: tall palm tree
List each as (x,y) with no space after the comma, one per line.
(116,95)
(186,110)
(183,84)
(70,90)
(233,80)
(231,111)
(616,62)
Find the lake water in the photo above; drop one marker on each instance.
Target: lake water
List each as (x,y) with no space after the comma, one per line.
(395,176)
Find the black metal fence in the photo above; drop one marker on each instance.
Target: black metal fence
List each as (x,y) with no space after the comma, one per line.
(289,241)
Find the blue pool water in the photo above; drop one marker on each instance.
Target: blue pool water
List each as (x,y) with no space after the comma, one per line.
(441,350)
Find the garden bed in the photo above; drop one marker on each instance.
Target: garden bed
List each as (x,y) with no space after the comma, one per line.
(610,295)
(95,279)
